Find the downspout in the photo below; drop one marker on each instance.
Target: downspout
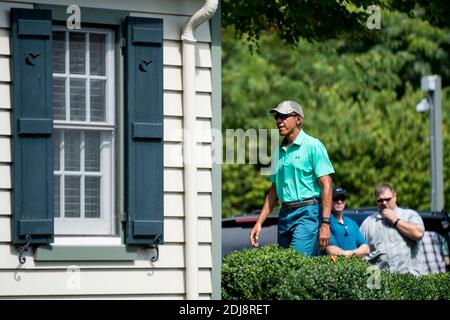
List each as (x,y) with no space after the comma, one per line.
(190,145)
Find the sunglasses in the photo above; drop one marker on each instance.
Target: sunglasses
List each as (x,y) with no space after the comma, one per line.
(381,200)
(346,231)
(339,199)
(282,116)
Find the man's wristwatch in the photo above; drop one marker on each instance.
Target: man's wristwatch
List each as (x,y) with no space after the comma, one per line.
(326,220)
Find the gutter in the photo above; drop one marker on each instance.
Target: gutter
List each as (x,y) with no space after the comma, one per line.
(190,145)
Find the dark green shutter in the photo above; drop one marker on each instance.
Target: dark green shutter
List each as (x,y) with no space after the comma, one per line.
(144,131)
(32,123)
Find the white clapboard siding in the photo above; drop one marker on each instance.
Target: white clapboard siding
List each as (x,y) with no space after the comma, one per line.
(204,230)
(173,104)
(174,205)
(5,149)
(173,54)
(203,80)
(170,256)
(5,99)
(5,123)
(204,181)
(100,281)
(5,229)
(173,155)
(173,26)
(173,79)
(203,156)
(4,69)
(5,176)
(4,42)
(174,230)
(203,55)
(173,180)
(203,127)
(203,106)
(173,130)
(204,205)
(205,255)
(5,203)
(5,9)
(204,281)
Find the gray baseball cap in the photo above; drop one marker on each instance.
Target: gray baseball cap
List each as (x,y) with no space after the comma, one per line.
(287,107)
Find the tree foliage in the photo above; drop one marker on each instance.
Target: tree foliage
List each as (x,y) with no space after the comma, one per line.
(359,98)
(293,20)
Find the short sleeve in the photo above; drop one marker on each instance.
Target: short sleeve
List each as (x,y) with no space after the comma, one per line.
(414,218)
(360,240)
(321,163)
(364,229)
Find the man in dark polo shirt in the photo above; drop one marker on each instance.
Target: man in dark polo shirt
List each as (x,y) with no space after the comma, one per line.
(301,180)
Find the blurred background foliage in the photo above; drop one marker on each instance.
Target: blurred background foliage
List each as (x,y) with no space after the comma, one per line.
(359,99)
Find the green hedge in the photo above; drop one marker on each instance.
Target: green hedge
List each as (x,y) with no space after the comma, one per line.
(272,273)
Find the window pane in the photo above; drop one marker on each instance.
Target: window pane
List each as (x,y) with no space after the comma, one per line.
(92,151)
(59,52)
(71,150)
(56,197)
(92,197)
(97,52)
(56,149)
(98,100)
(77,52)
(72,197)
(77,99)
(59,98)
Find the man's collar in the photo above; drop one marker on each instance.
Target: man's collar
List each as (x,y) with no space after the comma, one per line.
(334,218)
(300,137)
(298,140)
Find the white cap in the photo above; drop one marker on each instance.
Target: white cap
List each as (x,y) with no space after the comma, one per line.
(287,107)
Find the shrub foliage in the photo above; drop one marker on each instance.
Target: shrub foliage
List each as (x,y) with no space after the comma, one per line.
(271,273)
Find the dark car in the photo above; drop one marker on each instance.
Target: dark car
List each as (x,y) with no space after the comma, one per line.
(236,230)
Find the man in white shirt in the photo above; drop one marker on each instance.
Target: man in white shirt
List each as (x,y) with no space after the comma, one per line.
(394,234)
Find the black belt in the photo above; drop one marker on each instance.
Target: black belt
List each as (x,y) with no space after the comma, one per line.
(298,204)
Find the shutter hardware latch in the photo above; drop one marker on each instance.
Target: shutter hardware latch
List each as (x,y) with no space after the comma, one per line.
(156,246)
(24,249)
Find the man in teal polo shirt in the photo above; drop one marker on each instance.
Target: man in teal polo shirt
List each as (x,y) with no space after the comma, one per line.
(301,180)
(346,239)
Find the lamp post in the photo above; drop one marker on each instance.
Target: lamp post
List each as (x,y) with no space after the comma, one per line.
(432,86)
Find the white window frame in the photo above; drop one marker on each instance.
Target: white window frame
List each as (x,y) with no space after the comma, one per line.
(105,225)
